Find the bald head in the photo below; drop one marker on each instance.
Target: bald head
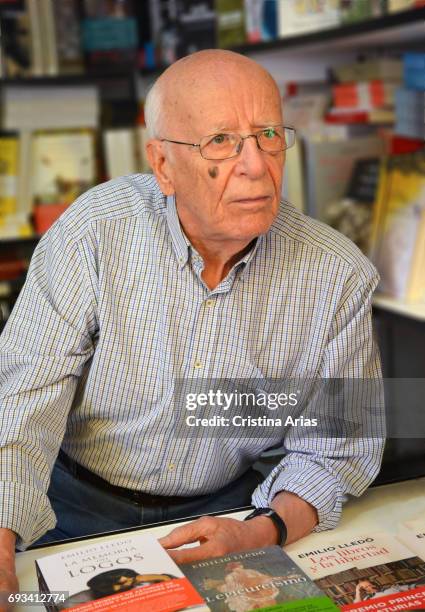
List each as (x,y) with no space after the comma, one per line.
(186,85)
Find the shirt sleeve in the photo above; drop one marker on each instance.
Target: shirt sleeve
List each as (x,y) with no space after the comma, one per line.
(43,348)
(324,470)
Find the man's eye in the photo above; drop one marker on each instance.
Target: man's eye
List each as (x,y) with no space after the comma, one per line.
(218,139)
(269,133)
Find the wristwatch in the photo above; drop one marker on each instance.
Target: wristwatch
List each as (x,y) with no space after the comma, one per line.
(277,520)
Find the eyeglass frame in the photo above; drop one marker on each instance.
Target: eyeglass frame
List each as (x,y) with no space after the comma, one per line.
(243,138)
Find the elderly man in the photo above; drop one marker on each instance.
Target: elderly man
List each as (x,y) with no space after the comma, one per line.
(196,272)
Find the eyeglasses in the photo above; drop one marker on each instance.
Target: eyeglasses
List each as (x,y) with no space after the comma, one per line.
(225,146)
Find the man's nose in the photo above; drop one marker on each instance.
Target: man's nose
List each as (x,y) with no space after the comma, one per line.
(251,159)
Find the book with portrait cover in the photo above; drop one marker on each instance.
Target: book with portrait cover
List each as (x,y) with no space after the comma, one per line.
(259,579)
(128,574)
(367,572)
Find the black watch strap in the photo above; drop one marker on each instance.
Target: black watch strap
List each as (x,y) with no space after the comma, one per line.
(277,520)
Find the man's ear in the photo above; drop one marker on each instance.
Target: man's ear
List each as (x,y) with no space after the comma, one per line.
(160,165)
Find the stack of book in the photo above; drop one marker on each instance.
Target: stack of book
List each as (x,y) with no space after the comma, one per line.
(132,572)
(365,92)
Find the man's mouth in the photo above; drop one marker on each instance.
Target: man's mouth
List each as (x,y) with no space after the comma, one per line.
(252,201)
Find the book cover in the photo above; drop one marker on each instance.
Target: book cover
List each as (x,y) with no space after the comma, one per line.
(230,23)
(196,22)
(385,68)
(128,574)
(120,152)
(259,579)
(352,216)
(21,38)
(63,165)
(9,173)
(329,166)
(61,37)
(366,572)
(260,20)
(301,16)
(412,534)
(358,10)
(109,33)
(399,234)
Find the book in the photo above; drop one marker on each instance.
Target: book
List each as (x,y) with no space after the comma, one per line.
(394,6)
(50,106)
(361,115)
(263,578)
(260,20)
(358,10)
(384,68)
(352,216)
(295,17)
(366,572)
(120,152)
(21,39)
(329,166)
(63,167)
(62,37)
(109,33)
(412,534)
(9,173)
(230,23)
(364,95)
(127,574)
(398,238)
(195,26)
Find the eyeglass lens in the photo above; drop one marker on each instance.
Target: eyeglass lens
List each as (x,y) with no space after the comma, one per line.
(223,146)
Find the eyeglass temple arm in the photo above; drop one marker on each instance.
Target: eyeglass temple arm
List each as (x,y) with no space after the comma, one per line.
(191,144)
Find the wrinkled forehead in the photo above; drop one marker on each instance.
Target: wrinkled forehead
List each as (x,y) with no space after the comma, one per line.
(225,100)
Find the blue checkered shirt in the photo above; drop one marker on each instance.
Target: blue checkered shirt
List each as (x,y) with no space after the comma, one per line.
(114,309)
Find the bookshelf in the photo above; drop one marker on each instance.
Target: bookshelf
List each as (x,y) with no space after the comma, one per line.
(404,27)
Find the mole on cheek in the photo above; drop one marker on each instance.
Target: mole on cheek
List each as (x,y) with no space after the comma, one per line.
(213,172)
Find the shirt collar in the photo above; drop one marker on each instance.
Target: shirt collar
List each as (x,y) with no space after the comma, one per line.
(180,242)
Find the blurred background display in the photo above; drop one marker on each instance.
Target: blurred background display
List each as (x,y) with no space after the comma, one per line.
(74,75)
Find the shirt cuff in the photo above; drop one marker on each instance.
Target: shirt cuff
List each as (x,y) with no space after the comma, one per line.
(310,482)
(25,511)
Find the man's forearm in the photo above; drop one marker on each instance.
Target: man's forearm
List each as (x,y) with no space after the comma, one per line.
(7,548)
(300,517)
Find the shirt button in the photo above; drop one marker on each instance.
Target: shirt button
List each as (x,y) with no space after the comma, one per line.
(209,303)
(171,467)
(197,364)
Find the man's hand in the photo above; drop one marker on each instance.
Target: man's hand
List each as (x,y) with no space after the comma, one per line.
(219,536)
(8,580)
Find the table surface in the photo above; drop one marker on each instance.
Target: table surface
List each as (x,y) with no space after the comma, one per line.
(380,508)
